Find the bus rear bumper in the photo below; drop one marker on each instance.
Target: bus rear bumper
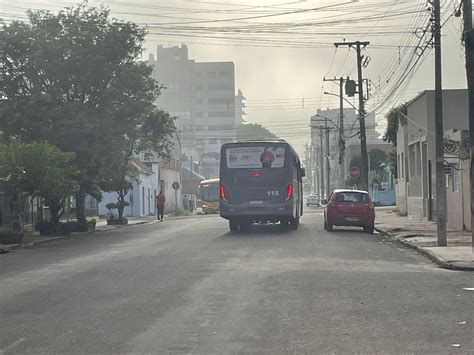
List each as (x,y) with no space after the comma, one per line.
(261,212)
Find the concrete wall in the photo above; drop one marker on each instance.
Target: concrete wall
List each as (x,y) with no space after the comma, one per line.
(415,207)
(169,176)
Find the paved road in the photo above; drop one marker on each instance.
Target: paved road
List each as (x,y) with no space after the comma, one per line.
(191,286)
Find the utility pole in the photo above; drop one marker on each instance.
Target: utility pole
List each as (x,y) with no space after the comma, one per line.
(441,203)
(469,48)
(341,142)
(321,155)
(363,139)
(328,165)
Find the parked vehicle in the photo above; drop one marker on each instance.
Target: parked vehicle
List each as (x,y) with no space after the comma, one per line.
(260,182)
(312,200)
(349,208)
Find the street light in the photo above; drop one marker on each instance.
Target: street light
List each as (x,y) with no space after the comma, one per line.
(346,100)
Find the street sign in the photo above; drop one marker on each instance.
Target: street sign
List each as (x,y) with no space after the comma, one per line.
(175,185)
(354,172)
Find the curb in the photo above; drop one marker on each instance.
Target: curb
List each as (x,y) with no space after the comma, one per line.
(5,250)
(449,265)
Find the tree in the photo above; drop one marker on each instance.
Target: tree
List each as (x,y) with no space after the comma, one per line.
(150,136)
(396,116)
(37,170)
(377,158)
(249,131)
(73,79)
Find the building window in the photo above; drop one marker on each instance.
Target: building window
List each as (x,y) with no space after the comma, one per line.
(198,87)
(199,101)
(199,114)
(211,74)
(220,87)
(220,114)
(219,101)
(199,128)
(198,75)
(225,74)
(219,127)
(213,141)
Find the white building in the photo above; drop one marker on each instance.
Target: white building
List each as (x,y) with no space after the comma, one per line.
(153,175)
(202,96)
(416,160)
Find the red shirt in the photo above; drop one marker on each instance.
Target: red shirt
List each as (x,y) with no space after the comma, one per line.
(160,199)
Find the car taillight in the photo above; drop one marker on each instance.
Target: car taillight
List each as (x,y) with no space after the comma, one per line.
(289,191)
(222,192)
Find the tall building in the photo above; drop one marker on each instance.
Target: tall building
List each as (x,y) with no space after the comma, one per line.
(202,96)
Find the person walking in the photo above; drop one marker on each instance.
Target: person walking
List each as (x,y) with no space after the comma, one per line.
(160,200)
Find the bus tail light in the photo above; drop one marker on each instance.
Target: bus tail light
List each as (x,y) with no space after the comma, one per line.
(289,191)
(222,192)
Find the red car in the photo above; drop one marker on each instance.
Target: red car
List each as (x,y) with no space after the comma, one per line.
(349,208)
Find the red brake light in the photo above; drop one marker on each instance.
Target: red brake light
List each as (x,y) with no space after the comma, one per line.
(222,192)
(289,191)
(255,173)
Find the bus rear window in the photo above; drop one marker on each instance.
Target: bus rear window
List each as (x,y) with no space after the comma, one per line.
(255,157)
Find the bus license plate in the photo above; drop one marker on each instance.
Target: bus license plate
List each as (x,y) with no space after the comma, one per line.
(352,219)
(256,202)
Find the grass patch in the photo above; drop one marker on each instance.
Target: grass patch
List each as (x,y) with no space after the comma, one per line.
(181,213)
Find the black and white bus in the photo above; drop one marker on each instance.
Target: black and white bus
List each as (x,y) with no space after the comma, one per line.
(260,182)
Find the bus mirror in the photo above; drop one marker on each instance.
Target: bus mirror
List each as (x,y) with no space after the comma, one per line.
(303,172)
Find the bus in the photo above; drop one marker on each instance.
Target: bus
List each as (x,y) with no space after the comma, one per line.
(209,195)
(260,182)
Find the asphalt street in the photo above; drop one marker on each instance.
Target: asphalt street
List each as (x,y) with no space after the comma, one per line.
(191,286)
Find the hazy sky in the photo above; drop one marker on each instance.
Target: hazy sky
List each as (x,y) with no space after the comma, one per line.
(283,48)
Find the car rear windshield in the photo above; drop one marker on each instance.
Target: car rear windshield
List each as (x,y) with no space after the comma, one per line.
(255,157)
(352,197)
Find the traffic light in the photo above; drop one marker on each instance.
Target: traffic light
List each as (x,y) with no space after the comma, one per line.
(351,88)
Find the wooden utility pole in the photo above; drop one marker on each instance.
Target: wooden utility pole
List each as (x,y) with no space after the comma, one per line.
(341,142)
(321,155)
(363,139)
(328,165)
(469,48)
(441,203)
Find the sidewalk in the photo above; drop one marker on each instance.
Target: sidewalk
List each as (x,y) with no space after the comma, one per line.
(422,236)
(101,226)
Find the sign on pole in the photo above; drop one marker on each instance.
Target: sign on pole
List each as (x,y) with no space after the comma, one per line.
(354,172)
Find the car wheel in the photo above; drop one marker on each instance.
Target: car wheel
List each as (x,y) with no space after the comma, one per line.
(233,226)
(328,227)
(369,229)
